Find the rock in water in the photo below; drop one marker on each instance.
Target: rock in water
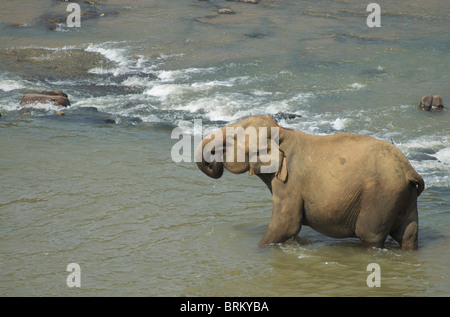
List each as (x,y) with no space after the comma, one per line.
(226,11)
(246,1)
(54,93)
(431,103)
(57,97)
(438,103)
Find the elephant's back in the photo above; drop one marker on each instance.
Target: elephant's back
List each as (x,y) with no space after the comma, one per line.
(364,149)
(336,161)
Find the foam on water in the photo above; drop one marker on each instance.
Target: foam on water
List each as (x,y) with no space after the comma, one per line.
(172,75)
(136,81)
(119,54)
(8,84)
(339,124)
(167,90)
(43,108)
(113,54)
(357,86)
(443,156)
(436,172)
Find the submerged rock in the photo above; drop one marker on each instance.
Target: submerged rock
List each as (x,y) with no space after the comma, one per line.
(52,22)
(246,1)
(286,115)
(93,10)
(431,103)
(37,64)
(83,115)
(256,35)
(226,11)
(57,97)
(207,19)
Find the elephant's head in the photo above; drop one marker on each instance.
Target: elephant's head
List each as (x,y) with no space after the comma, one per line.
(250,145)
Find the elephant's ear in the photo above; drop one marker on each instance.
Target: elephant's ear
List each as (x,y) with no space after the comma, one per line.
(282,173)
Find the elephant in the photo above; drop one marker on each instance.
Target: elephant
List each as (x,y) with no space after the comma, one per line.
(342,185)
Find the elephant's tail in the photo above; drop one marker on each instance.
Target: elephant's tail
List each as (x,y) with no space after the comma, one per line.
(417,180)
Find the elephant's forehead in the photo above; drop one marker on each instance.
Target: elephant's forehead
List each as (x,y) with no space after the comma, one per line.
(258,121)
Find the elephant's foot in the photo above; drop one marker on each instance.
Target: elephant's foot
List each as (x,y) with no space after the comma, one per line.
(369,245)
(272,237)
(266,243)
(281,228)
(267,240)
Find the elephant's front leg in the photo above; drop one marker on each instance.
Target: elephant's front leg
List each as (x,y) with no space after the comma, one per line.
(286,221)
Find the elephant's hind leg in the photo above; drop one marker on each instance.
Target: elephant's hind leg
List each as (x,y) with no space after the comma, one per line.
(406,233)
(410,234)
(372,226)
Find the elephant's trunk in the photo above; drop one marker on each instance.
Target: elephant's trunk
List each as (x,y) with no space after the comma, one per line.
(213,169)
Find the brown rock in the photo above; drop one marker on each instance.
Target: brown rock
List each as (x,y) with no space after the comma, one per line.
(57,97)
(438,103)
(425,103)
(431,103)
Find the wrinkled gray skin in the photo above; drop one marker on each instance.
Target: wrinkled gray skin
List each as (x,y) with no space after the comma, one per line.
(342,185)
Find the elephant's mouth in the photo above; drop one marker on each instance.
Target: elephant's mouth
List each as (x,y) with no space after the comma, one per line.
(212,169)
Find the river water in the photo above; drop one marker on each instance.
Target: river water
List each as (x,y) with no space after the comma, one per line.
(98,186)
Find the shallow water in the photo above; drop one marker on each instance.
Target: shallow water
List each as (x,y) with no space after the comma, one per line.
(108,196)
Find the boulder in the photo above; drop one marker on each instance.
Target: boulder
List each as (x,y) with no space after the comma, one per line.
(57,97)
(431,103)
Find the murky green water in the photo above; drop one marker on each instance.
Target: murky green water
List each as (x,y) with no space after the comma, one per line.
(108,196)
